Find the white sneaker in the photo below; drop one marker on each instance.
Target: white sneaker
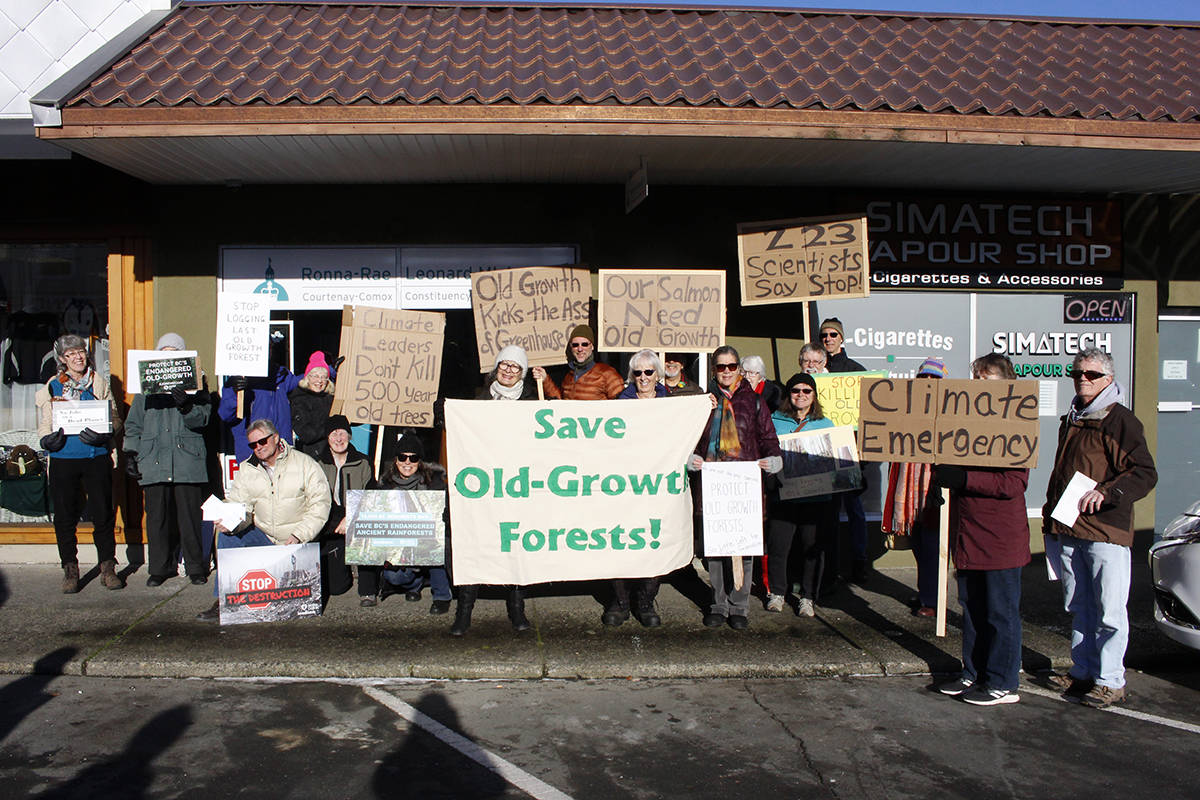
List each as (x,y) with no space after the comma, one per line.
(805,609)
(775,603)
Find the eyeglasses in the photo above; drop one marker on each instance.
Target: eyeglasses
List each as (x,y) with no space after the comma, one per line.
(640,372)
(829,334)
(801,390)
(577,345)
(75,354)
(409,457)
(1091,374)
(725,367)
(259,442)
(508,366)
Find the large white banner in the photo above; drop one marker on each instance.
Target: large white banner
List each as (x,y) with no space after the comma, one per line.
(570,490)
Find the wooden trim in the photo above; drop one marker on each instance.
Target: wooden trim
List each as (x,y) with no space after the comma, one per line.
(44,534)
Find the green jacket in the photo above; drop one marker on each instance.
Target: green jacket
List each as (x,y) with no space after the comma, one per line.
(169,445)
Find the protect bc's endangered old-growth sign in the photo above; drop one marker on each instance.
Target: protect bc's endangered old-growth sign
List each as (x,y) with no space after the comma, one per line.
(786,261)
(973,423)
(534,307)
(392,367)
(678,310)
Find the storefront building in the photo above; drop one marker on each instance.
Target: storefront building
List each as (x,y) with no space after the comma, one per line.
(1030,185)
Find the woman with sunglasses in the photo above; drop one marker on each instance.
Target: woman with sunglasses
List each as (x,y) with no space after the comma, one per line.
(808,517)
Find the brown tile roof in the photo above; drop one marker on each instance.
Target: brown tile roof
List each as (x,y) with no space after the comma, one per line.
(274,54)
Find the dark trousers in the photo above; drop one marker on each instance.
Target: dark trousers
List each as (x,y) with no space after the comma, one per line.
(925,551)
(809,524)
(647,589)
(173,520)
(991,638)
(95,476)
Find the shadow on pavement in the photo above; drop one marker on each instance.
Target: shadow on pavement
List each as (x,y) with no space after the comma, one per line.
(25,695)
(3,589)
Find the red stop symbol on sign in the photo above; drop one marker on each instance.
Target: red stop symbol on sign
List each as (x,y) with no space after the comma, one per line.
(256,580)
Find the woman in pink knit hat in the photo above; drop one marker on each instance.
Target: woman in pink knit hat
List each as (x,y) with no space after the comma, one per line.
(311,401)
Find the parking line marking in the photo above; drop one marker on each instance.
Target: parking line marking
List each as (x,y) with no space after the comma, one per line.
(534,787)
(1124,712)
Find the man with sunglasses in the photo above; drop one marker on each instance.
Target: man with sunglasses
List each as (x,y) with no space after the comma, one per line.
(1102,439)
(586,378)
(286,495)
(833,339)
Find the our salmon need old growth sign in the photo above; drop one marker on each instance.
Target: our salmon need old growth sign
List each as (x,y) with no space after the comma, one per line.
(787,261)
(679,310)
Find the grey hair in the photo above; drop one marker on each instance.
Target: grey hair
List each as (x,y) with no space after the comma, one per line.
(263,424)
(754,364)
(815,349)
(1094,354)
(69,341)
(641,357)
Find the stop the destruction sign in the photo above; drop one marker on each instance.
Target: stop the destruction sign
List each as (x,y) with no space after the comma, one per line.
(269,584)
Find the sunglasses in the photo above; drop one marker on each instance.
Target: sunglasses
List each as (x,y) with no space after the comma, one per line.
(725,367)
(639,372)
(829,334)
(801,390)
(409,457)
(578,345)
(258,442)
(1091,374)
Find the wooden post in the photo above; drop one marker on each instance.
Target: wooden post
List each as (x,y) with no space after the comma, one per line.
(943,574)
(241,405)
(541,391)
(807,320)
(378,448)
(738,569)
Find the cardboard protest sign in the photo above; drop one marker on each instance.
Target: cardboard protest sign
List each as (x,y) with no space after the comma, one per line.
(270,583)
(243,333)
(786,261)
(973,423)
(570,490)
(72,416)
(393,363)
(838,393)
(534,307)
(403,528)
(733,518)
(160,371)
(678,310)
(817,462)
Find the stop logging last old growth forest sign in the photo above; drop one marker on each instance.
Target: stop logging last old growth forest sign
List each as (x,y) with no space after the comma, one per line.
(971,423)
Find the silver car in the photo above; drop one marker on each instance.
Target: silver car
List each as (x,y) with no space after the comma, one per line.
(1175,570)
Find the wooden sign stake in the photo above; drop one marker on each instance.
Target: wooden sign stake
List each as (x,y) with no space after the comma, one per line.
(378,446)
(943,573)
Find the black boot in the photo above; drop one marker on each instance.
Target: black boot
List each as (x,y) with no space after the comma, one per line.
(462,613)
(516,611)
(647,615)
(615,614)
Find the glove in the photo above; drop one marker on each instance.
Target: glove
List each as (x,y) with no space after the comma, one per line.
(90,437)
(774,464)
(950,476)
(53,442)
(695,463)
(183,400)
(337,364)
(238,383)
(131,467)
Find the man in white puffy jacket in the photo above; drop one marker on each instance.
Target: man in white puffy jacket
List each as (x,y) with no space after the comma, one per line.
(285,493)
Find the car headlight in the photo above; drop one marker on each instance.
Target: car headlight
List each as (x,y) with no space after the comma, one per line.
(1185,526)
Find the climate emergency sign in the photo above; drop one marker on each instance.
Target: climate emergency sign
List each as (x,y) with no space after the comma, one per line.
(972,423)
(570,490)
(787,261)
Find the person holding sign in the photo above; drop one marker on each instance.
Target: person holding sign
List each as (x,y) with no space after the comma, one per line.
(807,517)
(586,378)
(164,440)
(1101,439)
(266,397)
(739,429)
(675,375)
(989,540)
(80,461)
(346,469)
(310,402)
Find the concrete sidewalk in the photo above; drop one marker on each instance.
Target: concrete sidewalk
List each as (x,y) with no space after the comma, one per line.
(153,632)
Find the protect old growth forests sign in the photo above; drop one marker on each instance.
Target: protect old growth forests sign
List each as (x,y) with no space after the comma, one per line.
(678,310)
(570,490)
(786,261)
(534,307)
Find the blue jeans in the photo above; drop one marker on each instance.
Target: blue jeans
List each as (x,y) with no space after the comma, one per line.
(991,638)
(411,579)
(251,537)
(925,550)
(1095,578)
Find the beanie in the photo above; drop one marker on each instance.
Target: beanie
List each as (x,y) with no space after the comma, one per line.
(409,443)
(933,368)
(516,354)
(835,324)
(317,361)
(337,422)
(172,340)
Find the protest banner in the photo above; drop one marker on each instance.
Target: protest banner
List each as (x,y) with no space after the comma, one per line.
(534,307)
(270,583)
(570,490)
(733,514)
(821,461)
(393,363)
(160,371)
(72,416)
(678,310)
(973,423)
(403,528)
(243,332)
(787,261)
(838,393)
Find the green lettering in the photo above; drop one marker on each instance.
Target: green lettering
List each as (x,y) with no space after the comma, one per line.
(508,535)
(612,485)
(646,484)
(554,534)
(570,488)
(546,429)
(577,539)
(636,540)
(481,481)
(588,480)
(597,539)
(533,540)
(615,428)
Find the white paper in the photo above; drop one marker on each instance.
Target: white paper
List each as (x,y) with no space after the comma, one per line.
(1053,556)
(1067,509)
(1174,370)
(243,333)
(75,415)
(133,376)
(732,508)
(230,515)
(1047,398)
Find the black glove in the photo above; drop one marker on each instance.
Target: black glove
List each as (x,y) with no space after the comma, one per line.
(338,362)
(90,437)
(53,442)
(238,383)
(183,400)
(950,476)
(131,467)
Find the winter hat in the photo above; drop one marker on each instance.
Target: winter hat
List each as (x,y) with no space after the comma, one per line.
(585,331)
(317,361)
(409,443)
(516,354)
(172,340)
(933,368)
(337,422)
(801,377)
(835,324)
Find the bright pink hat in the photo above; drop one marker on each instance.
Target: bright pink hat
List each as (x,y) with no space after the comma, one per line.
(316,360)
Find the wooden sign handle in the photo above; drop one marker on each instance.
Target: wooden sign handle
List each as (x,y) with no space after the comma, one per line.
(241,404)
(943,574)
(378,447)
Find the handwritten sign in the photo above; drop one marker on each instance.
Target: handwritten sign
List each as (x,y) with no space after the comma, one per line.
(819,462)
(974,423)
(838,393)
(732,508)
(72,416)
(534,307)
(243,333)
(787,261)
(393,363)
(679,310)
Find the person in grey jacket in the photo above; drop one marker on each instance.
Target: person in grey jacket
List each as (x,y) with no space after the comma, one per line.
(164,440)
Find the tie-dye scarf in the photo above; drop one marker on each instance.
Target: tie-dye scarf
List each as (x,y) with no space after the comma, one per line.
(723,441)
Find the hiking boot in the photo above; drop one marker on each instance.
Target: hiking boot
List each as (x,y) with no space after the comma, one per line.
(439,607)
(1069,685)
(108,575)
(1103,696)
(210,614)
(648,616)
(956,687)
(367,601)
(805,608)
(516,612)
(774,603)
(983,696)
(714,620)
(412,596)
(738,622)
(70,582)
(462,614)
(614,615)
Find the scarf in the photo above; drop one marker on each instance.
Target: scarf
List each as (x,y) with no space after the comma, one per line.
(409,484)
(1113,393)
(907,499)
(501,392)
(723,441)
(73,389)
(580,369)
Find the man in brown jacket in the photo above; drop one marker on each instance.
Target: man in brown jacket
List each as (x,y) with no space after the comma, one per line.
(586,378)
(1102,439)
